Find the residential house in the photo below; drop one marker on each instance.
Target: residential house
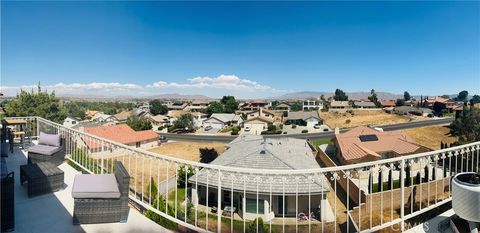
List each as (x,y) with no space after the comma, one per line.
(312,105)
(91,113)
(158,121)
(198,105)
(177,106)
(256,105)
(70,122)
(429,102)
(122,134)
(122,116)
(199,118)
(258,120)
(388,103)
(309,118)
(144,107)
(142,113)
(261,197)
(364,104)
(476,105)
(362,144)
(102,117)
(221,120)
(335,105)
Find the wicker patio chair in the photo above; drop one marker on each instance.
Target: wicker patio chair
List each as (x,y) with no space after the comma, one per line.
(56,158)
(99,203)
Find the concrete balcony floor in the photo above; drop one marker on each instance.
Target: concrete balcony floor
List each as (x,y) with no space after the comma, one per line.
(53,212)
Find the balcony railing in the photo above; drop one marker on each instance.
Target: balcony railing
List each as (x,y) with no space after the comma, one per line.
(363,197)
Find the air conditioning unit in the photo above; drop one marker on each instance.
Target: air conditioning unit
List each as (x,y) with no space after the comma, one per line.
(466,196)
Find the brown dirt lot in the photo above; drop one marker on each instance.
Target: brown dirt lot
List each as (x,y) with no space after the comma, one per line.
(187,150)
(431,136)
(361,117)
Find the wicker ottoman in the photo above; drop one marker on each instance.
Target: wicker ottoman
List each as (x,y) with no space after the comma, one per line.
(44,177)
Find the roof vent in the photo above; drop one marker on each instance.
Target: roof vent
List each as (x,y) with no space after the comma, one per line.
(262,152)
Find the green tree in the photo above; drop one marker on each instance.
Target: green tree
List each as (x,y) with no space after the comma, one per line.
(184,173)
(157,107)
(295,107)
(475,100)
(39,104)
(215,107)
(138,124)
(467,126)
(340,95)
(373,97)
(75,110)
(159,203)
(207,155)
(257,224)
(275,103)
(229,103)
(462,96)
(406,96)
(400,102)
(185,121)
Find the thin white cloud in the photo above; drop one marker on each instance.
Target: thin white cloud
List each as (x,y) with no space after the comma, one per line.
(76,88)
(225,82)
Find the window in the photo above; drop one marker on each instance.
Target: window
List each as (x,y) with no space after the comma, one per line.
(137,144)
(252,206)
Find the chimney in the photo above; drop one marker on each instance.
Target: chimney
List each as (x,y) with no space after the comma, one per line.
(337,130)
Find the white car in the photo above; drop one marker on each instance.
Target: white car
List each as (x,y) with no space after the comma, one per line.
(247,129)
(207,128)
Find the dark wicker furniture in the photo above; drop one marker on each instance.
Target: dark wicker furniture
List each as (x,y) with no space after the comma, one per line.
(105,210)
(57,158)
(42,178)
(8,198)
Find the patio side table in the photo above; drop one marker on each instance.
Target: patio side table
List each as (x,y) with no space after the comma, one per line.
(42,178)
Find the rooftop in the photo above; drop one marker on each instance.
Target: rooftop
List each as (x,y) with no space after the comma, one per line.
(301,115)
(364,141)
(256,152)
(121,133)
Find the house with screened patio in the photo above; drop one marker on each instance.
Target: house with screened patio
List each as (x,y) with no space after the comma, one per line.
(257,194)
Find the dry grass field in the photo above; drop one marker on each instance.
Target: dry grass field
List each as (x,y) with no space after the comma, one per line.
(187,150)
(431,136)
(361,117)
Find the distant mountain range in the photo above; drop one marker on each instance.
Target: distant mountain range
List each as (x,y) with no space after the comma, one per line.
(173,96)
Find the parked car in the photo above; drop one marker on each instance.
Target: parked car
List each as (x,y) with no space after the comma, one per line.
(163,139)
(208,127)
(247,129)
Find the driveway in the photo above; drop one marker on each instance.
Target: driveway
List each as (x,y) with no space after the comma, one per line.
(202,131)
(299,129)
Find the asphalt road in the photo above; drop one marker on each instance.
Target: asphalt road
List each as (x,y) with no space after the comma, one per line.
(321,135)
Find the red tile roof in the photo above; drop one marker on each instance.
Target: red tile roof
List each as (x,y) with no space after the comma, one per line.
(388,103)
(121,134)
(352,148)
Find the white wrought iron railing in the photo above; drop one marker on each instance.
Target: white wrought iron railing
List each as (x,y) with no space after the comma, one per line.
(362,197)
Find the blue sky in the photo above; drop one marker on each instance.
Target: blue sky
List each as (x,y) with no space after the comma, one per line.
(248,49)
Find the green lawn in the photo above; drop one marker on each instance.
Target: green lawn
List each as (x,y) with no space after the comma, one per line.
(318,142)
(180,196)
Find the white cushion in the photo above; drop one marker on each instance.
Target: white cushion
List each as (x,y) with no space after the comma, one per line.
(49,139)
(95,186)
(44,149)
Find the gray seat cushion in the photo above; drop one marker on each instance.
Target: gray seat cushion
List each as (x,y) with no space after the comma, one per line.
(95,186)
(49,139)
(44,149)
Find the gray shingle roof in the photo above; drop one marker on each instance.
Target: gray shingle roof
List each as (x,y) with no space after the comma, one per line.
(255,152)
(302,115)
(225,117)
(364,104)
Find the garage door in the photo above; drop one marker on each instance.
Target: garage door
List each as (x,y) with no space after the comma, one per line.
(255,128)
(216,125)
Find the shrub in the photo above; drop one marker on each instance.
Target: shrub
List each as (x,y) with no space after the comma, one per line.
(305,131)
(272,127)
(187,171)
(159,219)
(281,126)
(262,227)
(284,132)
(294,126)
(347,121)
(325,130)
(207,155)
